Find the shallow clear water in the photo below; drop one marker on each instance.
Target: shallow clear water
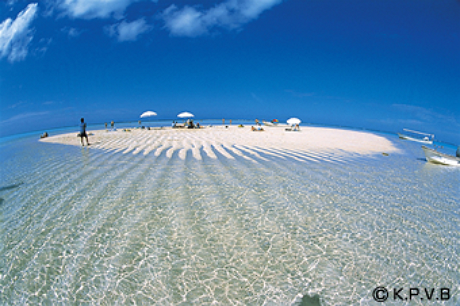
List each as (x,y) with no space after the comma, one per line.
(81,225)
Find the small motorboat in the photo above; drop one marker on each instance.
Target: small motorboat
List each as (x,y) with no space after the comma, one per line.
(440,158)
(274,123)
(428,138)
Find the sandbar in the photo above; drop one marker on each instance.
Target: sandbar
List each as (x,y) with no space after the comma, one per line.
(232,141)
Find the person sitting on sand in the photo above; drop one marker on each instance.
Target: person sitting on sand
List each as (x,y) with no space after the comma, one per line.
(44,135)
(296,127)
(257,129)
(83,132)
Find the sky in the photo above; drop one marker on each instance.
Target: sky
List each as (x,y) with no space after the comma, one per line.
(375,64)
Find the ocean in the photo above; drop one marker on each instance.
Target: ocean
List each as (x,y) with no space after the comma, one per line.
(85,226)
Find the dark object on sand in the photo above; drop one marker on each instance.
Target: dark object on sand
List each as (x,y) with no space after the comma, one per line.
(10,186)
(310,301)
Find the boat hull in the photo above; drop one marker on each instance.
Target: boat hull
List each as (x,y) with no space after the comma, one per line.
(275,124)
(440,158)
(414,139)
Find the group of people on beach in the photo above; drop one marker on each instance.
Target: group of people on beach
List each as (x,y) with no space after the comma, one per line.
(258,127)
(112,125)
(188,124)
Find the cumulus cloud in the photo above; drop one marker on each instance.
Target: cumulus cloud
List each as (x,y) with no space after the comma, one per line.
(129,31)
(185,22)
(89,9)
(231,14)
(15,35)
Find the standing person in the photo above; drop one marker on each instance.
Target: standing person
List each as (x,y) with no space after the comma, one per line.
(230,121)
(83,132)
(458,152)
(112,124)
(106,126)
(223,121)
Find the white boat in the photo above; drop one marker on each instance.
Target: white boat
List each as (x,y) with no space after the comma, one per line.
(428,138)
(266,123)
(440,158)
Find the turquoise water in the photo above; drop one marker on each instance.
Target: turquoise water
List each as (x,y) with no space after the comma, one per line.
(85,226)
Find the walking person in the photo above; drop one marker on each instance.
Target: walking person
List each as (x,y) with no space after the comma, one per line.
(83,132)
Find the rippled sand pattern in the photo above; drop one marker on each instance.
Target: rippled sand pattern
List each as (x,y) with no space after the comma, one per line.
(313,144)
(179,222)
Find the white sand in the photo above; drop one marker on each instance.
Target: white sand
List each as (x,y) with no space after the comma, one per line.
(312,143)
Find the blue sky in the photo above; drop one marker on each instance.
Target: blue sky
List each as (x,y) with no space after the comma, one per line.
(378,64)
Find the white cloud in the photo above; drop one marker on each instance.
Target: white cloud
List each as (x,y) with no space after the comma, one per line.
(94,8)
(129,31)
(17,105)
(23,116)
(300,94)
(185,22)
(230,14)
(427,115)
(16,35)
(72,32)
(42,46)
(251,9)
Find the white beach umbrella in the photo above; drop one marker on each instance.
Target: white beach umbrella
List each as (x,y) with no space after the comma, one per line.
(293,121)
(185,115)
(148,114)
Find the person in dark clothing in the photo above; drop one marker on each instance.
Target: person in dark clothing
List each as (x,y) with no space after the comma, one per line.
(83,132)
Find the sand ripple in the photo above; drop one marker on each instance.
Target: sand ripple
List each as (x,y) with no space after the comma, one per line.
(309,144)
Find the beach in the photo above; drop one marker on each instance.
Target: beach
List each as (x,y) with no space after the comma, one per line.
(225,216)
(311,142)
